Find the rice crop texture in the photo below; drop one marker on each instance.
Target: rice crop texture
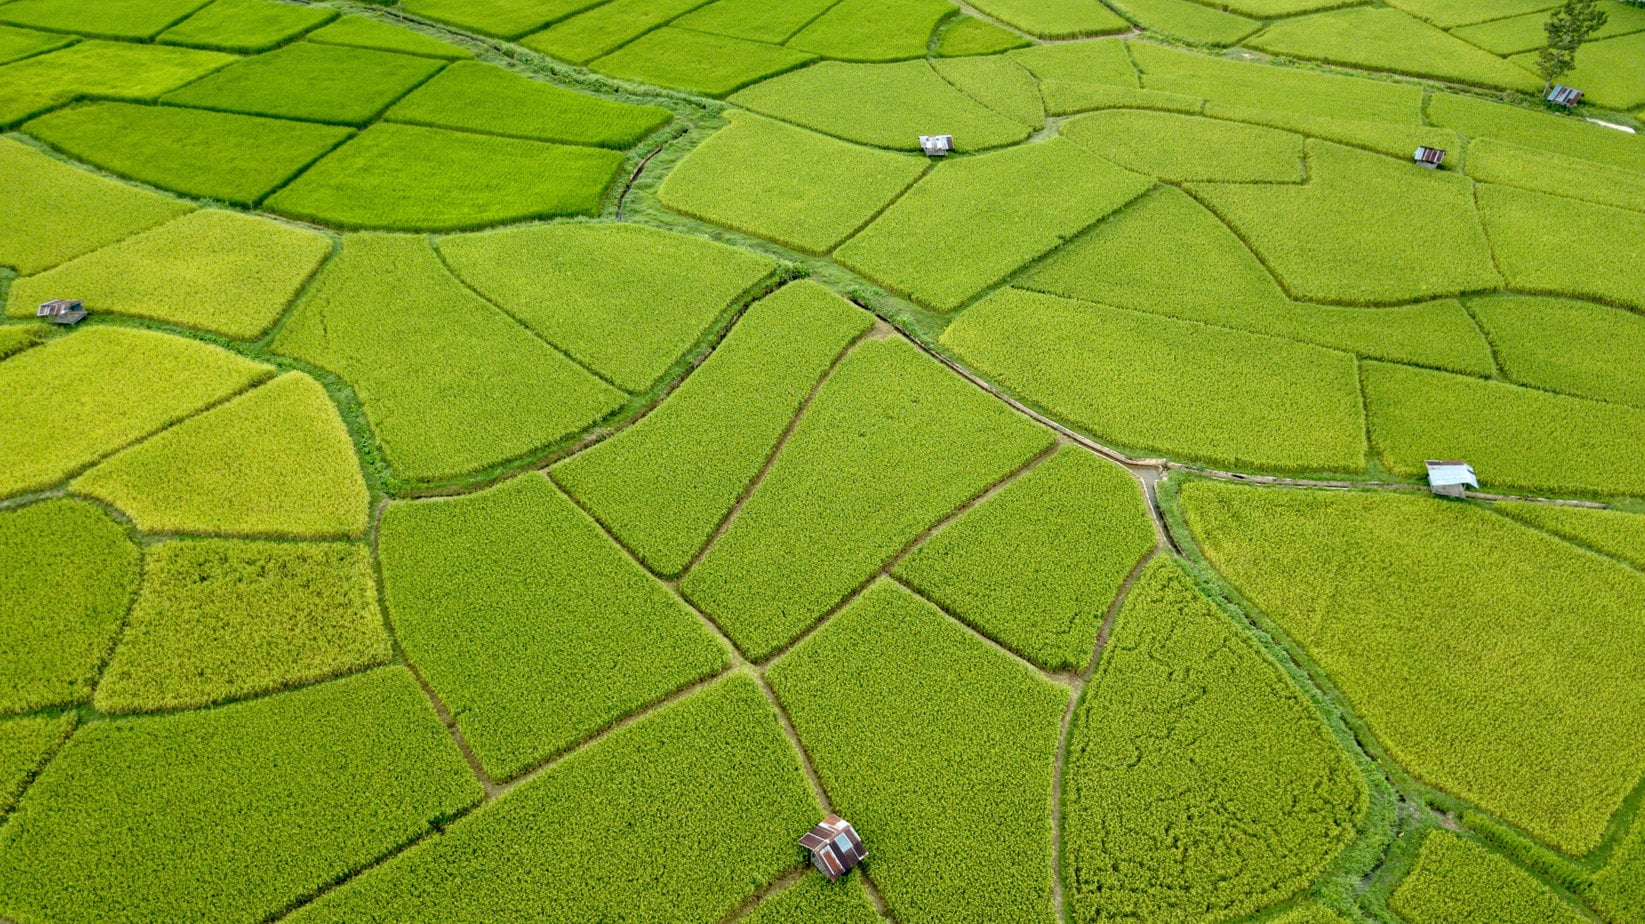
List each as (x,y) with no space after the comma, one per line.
(1492,161)
(1188,21)
(1036,566)
(997,82)
(1181,147)
(786,184)
(55,212)
(873,30)
(222,619)
(502,18)
(365,32)
(1555,134)
(15,338)
(756,20)
(937,736)
(485,98)
(216,270)
(1618,889)
(116,70)
(1525,33)
(1309,913)
(662,485)
(597,835)
(606,27)
(1556,246)
(405,177)
(276,461)
(25,744)
(1394,140)
(1209,275)
(1524,704)
(68,403)
(1607,72)
(122,19)
(511,598)
(383,307)
(1384,39)
(237,159)
(1347,235)
(1448,13)
(1504,431)
(627,300)
(892,443)
(1087,62)
(60,622)
(813,899)
(883,105)
(309,80)
(246,25)
(1057,19)
(23,43)
(1187,728)
(698,61)
(1063,97)
(1457,880)
(182,817)
(1577,348)
(972,221)
(1262,86)
(1188,390)
(1612,532)
(964,35)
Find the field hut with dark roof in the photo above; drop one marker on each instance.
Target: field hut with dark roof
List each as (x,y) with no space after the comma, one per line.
(1562,95)
(62,311)
(835,847)
(1429,157)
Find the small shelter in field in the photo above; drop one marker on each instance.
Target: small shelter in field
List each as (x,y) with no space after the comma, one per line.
(835,847)
(1429,157)
(1564,96)
(936,145)
(1450,478)
(62,311)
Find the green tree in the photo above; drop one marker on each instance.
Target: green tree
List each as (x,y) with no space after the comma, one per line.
(1568,26)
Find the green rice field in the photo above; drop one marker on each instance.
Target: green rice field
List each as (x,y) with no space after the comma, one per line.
(491,461)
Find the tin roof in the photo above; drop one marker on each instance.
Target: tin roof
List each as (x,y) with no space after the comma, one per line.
(1427,155)
(1451,472)
(835,847)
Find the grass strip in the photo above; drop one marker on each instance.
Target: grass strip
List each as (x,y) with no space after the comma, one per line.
(714,770)
(886,409)
(937,735)
(496,392)
(222,619)
(56,212)
(663,485)
(275,461)
(1523,701)
(234,158)
(213,269)
(786,184)
(972,221)
(59,623)
(1156,384)
(231,813)
(69,402)
(626,299)
(564,618)
(1187,727)
(1036,566)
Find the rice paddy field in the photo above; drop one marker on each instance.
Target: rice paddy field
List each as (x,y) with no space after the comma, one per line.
(532,460)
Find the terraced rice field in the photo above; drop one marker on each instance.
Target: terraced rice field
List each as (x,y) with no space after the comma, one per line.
(531,460)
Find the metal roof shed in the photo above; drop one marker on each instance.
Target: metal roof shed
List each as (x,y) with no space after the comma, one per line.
(1450,478)
(835,847)
(1429,157)
(936,145)
(1564,96)
(62,311)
